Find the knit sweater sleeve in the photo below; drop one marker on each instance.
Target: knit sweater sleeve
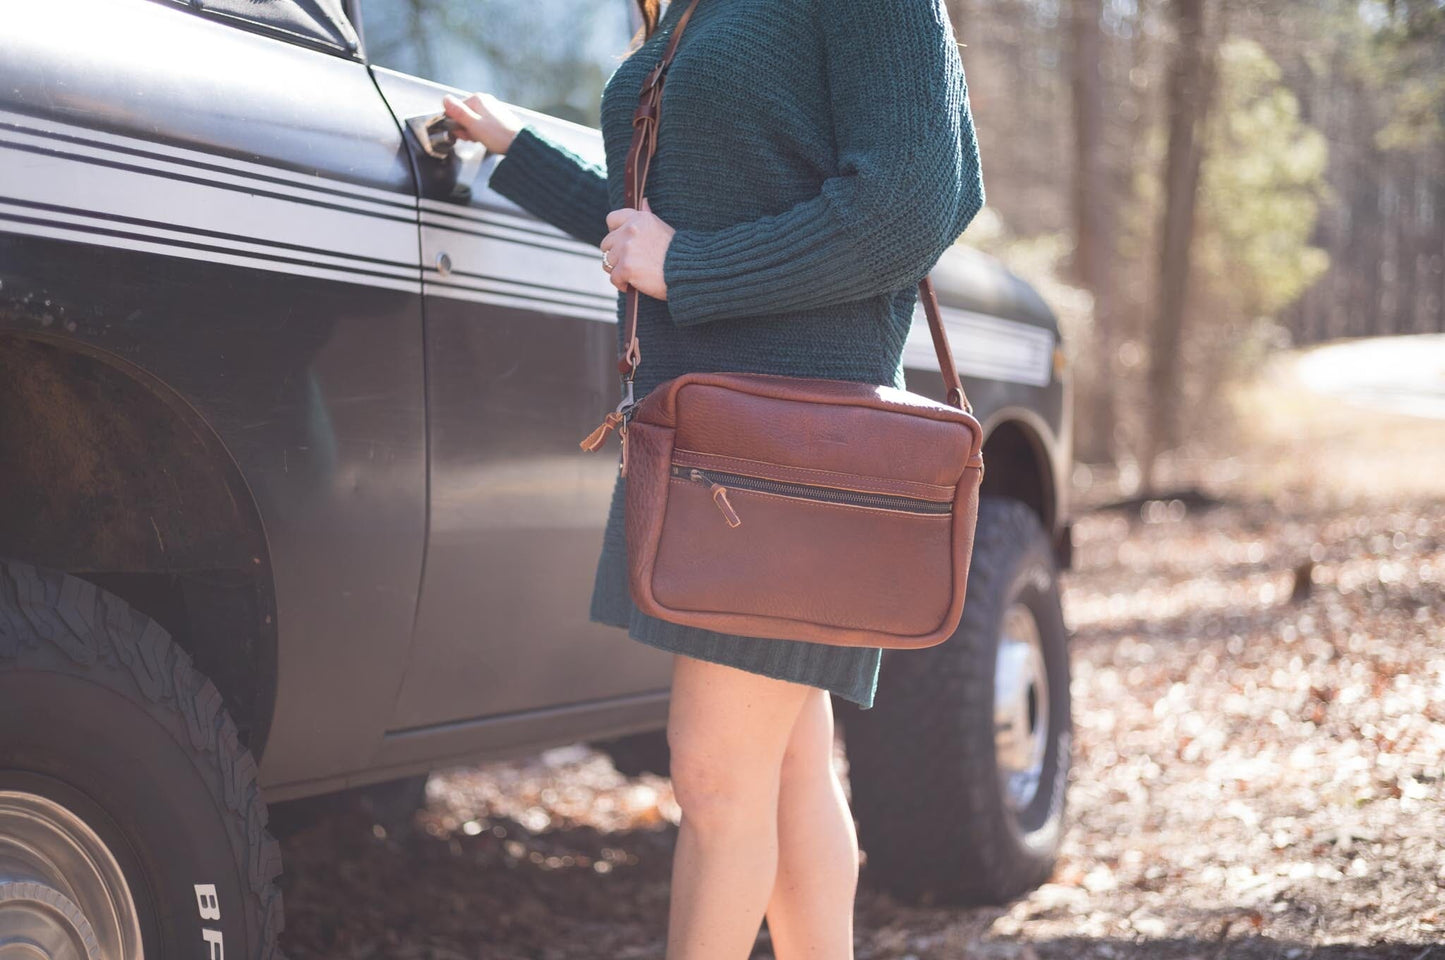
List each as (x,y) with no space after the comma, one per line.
(907,182)
(545,178)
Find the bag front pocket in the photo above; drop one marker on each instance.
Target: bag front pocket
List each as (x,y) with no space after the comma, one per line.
(744,536)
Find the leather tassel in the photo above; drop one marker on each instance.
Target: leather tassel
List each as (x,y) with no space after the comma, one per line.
(598,437)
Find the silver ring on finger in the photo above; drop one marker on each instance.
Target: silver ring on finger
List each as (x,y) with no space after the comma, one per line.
(607,263)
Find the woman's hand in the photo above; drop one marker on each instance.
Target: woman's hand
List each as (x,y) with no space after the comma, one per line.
(485,119)
(635,248)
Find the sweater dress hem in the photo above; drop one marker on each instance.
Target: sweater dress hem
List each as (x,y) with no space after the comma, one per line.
(673,644)
(732,651)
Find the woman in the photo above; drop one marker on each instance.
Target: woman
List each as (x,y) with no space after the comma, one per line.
(814,159)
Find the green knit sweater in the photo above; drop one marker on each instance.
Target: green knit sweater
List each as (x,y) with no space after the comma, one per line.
(815,157)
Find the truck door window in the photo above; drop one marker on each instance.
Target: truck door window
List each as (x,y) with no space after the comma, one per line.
(548,55)
(317,23)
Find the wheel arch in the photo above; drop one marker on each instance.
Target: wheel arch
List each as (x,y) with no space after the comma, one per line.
(114,477)
(1017,463)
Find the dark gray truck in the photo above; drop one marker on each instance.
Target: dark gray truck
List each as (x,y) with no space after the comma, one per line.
(291,500)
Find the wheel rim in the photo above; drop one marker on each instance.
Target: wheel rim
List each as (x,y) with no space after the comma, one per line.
(62,894)
(1021,707)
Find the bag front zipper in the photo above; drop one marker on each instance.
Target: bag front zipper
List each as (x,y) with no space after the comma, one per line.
(720,481)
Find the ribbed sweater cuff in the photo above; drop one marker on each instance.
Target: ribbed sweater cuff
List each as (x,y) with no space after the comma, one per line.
(768,266)
(691,299)
(529,170)
(793,261)
(554,183)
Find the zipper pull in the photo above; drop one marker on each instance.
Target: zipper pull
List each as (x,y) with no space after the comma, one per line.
(720,497)
(598,437)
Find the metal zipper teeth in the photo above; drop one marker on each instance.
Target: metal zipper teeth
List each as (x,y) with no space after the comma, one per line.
(806,491)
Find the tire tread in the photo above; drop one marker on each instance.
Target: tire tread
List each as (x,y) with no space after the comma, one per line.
(87,624)
(916,849)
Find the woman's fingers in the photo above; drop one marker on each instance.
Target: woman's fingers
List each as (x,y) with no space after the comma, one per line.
(454,107)
(616,243)
(614,246)
(485,119)
(636,246)
(620,216)
(466,118)
(609,257)
(618,275)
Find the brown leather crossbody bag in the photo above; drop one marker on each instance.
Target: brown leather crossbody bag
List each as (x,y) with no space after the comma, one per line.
(790,507)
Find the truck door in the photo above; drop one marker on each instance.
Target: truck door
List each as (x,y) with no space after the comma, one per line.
(519,341)
(220,199)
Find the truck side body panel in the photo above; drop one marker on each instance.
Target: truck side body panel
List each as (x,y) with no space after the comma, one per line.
(235,215)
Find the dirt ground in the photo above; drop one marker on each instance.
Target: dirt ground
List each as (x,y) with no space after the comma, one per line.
(1259,690)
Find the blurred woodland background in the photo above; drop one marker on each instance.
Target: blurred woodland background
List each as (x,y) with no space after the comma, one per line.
(1196,182)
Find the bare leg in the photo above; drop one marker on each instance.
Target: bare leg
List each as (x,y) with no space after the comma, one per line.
(727,729)
(810,915)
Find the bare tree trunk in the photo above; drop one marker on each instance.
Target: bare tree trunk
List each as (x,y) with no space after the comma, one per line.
(1094,202)
(1439,295)
(1190,91)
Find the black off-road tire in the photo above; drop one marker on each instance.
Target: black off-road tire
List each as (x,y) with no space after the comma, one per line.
(101,713)
(925,788)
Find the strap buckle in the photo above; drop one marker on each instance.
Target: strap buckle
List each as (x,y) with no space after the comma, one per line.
(654,76)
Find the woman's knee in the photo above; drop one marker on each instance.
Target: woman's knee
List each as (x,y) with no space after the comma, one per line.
(727,730)
(720,781)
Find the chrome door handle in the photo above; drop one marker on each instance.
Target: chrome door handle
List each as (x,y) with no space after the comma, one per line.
(436,135)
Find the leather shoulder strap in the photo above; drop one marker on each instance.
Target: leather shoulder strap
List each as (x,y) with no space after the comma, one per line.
(639,157)
(941,348)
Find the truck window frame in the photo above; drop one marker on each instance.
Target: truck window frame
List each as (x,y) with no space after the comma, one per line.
(344,50)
